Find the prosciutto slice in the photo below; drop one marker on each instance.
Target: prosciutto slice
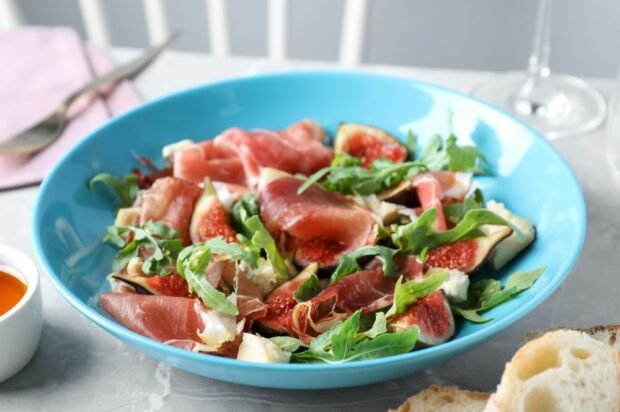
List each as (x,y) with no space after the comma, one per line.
(430,195)
(236,156)
(163,318)
(171,200)
(368,290)
(318,225)
(176,321)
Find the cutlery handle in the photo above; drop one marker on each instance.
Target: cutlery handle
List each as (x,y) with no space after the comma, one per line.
(126,70)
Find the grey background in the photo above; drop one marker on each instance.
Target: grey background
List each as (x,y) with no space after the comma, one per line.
(466,34)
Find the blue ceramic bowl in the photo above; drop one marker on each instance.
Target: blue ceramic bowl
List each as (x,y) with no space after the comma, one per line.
(530,177)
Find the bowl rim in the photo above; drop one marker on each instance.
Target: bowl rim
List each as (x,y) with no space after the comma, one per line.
(478,336)
(31,274)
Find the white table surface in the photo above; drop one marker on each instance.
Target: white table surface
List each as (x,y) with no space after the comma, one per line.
(80,367)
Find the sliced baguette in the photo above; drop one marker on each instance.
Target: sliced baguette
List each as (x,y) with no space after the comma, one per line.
(564,370)
(444,399)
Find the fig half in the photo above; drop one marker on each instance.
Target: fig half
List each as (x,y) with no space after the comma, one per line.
(210,219)
(280,304)
(368,143)
(468,255)
(432,315)
(171,285)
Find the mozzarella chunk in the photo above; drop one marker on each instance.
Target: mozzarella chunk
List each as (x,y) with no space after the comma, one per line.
(170,150)
(456,285)
(219,328)
(510,247)
(388,212)
(257,349)
(263,276)
(462,185)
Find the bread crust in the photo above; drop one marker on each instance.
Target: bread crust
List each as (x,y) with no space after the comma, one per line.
(443,396)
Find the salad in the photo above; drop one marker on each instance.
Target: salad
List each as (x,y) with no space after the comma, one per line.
(277,246)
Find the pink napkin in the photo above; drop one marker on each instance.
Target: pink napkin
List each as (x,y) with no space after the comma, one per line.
(40,67)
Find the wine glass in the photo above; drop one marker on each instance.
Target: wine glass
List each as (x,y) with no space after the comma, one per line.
(556,105)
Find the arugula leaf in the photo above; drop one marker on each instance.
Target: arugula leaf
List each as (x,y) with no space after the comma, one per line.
(163,242)
(348,263)
(415,236)
(410,237)
(287,343)
(486,294)
(349,178)
(126,188)
(433,155)
(191,265)
(344,343)
(308,289)
(261,239)
(456,211)
(463,158)
(387,344)
(521,281)
(405,294)
(219,246)
(241,211)
(378,327)
(412,143)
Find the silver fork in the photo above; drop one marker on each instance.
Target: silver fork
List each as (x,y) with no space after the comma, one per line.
(47,131)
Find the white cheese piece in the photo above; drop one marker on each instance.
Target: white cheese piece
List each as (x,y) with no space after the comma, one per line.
(510,247)
(170,150)
(456,285)
(127,216)
(461,186)
(257,349)
(263,276)
(388,212)
(226,196)
(219,328)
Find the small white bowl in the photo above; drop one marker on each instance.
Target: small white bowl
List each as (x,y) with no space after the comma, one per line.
(20,327)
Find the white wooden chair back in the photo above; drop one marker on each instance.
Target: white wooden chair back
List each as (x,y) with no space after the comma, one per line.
(97,29)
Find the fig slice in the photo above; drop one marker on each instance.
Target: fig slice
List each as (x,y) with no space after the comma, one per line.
(369,143)
(171,285)
(468,255)
(432,315)
(210,219)
(280,304)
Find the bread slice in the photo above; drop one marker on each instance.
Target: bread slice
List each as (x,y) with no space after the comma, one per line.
(444,399)
(609,334)
(563,370)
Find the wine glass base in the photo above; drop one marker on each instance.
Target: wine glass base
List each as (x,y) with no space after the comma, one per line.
(583,109)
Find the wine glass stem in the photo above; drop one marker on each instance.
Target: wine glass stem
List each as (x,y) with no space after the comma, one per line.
(538,63)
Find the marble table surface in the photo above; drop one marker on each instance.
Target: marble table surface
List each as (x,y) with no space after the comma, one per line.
(80,367)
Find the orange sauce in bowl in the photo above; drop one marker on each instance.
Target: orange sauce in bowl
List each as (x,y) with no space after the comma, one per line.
(12,290)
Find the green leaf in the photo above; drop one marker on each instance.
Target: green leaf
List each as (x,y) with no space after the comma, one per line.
(378,327)
(233,250)
(125,188)
(521,281)
(463,158)
(261,239)
(308,289)
(348,263)
(287,343)
(154,239)
(241,211)
(312,179)
(405,294)
(410,238)
(470,314)
(387,344)
(486,294)
(456,211)
(344,341)
(415,236)
(412,143)
(347,176)
(191,266)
